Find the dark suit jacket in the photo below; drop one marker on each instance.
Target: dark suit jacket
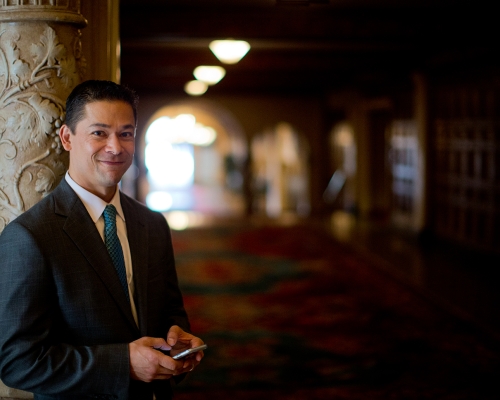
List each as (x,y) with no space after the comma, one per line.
(65,322)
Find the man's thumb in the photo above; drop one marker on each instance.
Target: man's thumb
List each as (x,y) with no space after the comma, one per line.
(172,335)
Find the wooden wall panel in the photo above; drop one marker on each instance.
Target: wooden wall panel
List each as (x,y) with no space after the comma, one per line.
(466,153)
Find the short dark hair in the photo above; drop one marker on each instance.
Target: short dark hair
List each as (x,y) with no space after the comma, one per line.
(94,90)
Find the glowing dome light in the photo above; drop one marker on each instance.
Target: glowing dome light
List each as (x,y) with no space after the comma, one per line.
(210,74)
(195,88)
(229,51)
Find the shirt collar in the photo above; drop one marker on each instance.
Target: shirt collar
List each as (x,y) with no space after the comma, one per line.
(94,204)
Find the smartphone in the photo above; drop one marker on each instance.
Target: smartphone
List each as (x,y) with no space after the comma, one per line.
(189,351)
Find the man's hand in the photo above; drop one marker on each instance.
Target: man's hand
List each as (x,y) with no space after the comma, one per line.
(148,364)
(179,341)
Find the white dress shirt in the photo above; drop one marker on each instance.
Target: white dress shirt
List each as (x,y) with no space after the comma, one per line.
(95,207)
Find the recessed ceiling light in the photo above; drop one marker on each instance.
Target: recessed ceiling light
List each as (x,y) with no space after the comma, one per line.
(229,51)
(210,74)
(195,88)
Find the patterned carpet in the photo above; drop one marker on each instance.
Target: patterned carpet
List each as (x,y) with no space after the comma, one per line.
(288,313)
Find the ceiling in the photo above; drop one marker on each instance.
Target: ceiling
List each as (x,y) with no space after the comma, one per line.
(303,47)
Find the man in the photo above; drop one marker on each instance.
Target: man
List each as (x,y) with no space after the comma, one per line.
(89,300)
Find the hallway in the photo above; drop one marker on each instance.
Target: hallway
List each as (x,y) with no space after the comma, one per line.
(289,312)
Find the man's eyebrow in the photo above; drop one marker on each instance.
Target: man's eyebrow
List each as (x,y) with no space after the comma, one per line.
(101,125)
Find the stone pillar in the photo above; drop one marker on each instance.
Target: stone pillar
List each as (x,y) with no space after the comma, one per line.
(40,63)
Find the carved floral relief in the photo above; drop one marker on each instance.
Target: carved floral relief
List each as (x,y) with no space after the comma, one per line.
(36,75)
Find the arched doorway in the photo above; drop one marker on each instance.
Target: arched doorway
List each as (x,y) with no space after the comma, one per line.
(341,188)
(195,154)
(280,171)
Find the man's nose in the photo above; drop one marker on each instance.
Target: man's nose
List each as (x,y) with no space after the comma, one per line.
(113,144)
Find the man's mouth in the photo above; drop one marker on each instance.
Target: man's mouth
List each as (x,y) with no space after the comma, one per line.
(112,162)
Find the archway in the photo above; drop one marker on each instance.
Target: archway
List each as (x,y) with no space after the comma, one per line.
(195,154)
(341,188)
(280,171)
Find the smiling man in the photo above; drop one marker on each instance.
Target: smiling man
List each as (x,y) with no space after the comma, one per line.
(89,301)
(101,146)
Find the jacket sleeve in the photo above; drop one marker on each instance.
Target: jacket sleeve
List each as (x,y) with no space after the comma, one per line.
(177,312)
(32,355)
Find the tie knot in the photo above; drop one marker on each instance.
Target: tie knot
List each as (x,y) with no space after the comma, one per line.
(109,214)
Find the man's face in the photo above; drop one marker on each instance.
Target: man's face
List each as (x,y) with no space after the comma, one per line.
(102,146)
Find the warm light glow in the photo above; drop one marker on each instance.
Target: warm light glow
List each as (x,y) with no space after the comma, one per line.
(210,74)
(156,131)
(229,51)
(170,166)
(180,127)
(165,131)
(178,220)
(195,88)
(344,138)
(202,135)
(169,158)
(159,201)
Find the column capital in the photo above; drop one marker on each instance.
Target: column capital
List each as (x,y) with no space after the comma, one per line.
(63,11)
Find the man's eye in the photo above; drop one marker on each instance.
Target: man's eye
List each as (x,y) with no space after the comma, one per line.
(98,133)
(127,134)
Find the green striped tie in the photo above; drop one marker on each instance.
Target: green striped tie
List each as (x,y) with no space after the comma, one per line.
(113,245)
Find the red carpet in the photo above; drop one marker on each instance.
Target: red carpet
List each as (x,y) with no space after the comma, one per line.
(288,313)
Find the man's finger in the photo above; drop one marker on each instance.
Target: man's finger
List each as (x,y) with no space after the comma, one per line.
(173,335)
(163,376)
(168,363)
(157,343)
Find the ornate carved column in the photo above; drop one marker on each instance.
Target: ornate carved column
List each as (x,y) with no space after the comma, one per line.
(40,63)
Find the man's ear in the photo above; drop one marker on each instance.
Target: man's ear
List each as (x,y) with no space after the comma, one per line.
(65,136)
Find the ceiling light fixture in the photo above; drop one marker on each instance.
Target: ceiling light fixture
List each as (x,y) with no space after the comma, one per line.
(195,88)
(229,51)
(210,74)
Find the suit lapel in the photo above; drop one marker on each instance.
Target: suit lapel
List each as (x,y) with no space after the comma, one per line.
(81,229)
(138,242)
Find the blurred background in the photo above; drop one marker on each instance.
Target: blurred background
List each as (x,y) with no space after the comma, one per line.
(373,121)
(375,117)
(377,108)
